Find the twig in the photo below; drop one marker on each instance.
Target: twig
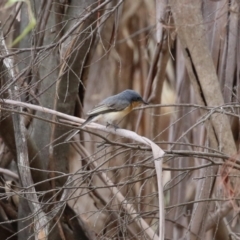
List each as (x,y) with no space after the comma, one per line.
(9,173)
(40,219)
(122,200)
(157,151)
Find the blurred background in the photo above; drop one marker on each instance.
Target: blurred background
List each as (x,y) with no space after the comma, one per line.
(182,57)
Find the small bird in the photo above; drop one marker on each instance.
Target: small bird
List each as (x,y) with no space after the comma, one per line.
(113,109)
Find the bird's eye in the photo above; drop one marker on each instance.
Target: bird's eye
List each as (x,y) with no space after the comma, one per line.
(137,99)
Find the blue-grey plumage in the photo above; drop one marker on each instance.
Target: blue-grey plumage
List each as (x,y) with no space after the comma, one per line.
(117,102)
(113,109)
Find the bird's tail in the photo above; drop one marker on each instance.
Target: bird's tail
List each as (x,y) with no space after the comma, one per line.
(74,132)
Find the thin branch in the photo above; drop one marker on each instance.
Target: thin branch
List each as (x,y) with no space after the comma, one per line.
(40,219)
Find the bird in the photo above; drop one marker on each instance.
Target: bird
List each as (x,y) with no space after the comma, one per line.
(113,109)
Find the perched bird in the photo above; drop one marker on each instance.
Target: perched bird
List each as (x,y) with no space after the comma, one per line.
(113,109)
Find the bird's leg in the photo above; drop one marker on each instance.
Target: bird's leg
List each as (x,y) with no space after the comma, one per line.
(115,126)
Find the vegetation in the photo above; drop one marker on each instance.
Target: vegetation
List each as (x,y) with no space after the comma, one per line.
(171,171)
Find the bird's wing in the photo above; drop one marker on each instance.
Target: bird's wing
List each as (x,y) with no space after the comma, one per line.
(99,109)
(109,105)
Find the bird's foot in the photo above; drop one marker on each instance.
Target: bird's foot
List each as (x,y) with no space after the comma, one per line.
(115,126)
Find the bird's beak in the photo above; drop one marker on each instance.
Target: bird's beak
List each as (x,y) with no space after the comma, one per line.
(145,103)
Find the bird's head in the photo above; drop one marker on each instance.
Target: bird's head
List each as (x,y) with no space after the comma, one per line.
(134,98)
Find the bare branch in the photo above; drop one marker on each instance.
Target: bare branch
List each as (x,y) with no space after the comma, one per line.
(40,219)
